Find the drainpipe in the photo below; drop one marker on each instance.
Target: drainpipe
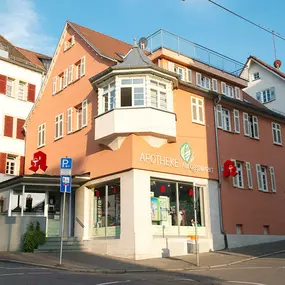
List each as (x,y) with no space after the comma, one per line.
(216,102)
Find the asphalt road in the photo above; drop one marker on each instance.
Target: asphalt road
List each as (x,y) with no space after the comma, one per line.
(267,271)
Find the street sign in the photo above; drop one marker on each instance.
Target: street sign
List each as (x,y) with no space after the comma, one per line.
(65,166)
(65,183)
(65,187)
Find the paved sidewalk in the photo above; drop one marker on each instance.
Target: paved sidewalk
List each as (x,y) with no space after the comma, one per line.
(84,261)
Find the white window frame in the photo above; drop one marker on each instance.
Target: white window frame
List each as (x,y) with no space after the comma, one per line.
(236,122)
(24,84)
(77,70)
(133,86)
(161,91)
(59,119)
(84,113)
(226,118)
(239,176)
(249,175)
(273,180)
(70,74)
(228,90)
(201,81)
(79,119)
(180,71)
(214,84)
(109,93)
(267,95)
(276,129)
(42,135)
(255,77)
(261,174)
(237,93)
(11,161)
(197,105)
(82,66)
(188,75)
(219,114)
(251,129)
(171,66)
(61,78)
(65,78)
(12,86)
(54,85)
(69,121)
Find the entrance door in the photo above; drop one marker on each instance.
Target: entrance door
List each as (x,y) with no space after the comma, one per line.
(54,214)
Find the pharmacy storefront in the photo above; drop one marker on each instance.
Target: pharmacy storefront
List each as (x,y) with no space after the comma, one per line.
(142,213)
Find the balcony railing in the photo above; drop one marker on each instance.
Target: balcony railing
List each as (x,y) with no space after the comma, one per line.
(165,39)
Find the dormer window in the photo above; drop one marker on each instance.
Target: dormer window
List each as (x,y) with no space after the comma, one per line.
(132,92)
(180,71)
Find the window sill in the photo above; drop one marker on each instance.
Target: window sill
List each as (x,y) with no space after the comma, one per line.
(278,144)
(257,139)
(56,139)
(266,192)
(76,131)
(41,146)
(199,123)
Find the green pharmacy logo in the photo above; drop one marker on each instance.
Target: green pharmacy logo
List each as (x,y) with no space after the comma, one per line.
(186,153)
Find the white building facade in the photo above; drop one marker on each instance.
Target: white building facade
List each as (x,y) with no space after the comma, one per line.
(266,84)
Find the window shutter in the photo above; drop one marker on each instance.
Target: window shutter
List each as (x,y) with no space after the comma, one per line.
(188,75)
(84,113)
(273,181)
(72,40)
(22,165)
(31,92)
(3,84)
(245,124)
(3,157)
(237,93)
(249,175)
(258,97)
(215,85)
(255,127)
(71,73)
(258,175)
(220,116)
(54,85)
(235,182)
(19,133)
(8,127)
(272,93)
(224,88)
(69,120)
(198,79)
(82,66)
(236,121)
(64,46)
(170,66)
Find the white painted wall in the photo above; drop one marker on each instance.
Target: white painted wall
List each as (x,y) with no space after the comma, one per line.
(136,120)
(267,79)
(137,240)
(14,107)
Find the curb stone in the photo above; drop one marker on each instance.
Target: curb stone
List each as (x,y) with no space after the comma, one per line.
(123,271)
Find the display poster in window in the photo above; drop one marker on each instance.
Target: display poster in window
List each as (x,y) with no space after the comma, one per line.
(163,203)
(99,212)
(117,211)
(155,210)
(95,210)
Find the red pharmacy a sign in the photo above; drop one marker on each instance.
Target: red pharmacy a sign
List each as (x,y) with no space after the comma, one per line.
(39,161)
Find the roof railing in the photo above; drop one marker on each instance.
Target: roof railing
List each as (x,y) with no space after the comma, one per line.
(173,42)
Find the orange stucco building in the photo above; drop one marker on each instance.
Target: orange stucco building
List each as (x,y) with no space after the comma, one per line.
(149,131)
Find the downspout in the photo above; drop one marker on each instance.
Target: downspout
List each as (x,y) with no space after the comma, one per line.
(216,102)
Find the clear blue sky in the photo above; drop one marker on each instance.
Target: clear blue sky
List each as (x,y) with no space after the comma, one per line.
(37,24)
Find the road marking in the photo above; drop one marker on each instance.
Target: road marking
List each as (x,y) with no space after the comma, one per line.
(11,274)
(190,280)
(242,268)
(242,282)
(23,268)
(115,282)
(39,273)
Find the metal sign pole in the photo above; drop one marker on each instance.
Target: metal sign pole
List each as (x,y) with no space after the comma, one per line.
(62,225)
(196,229)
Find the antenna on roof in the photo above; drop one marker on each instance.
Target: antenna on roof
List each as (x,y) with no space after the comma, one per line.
(143,43)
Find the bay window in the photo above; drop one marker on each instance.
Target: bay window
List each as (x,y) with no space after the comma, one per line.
(158,95)
(109,99)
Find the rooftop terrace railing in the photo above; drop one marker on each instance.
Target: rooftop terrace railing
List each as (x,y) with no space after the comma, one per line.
(168,40)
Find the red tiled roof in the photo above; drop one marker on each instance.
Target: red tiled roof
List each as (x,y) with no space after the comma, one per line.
(106,45)
(33,57)
(277,71)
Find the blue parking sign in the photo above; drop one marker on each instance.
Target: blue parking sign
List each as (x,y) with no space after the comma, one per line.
(65,183)
(66,163)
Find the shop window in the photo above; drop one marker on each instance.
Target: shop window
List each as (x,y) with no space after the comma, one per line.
(34,203)
(107,209)
(172,207)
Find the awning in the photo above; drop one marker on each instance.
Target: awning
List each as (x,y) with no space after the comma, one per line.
(43,181)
